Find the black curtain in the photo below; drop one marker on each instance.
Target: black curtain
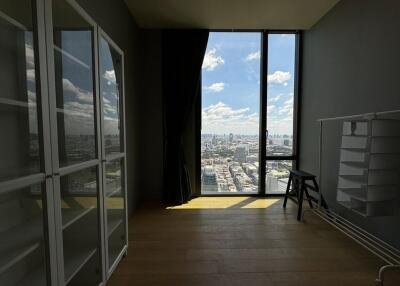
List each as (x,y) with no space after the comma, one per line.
(182,56)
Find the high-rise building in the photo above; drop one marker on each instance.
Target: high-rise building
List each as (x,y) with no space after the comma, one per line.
(241,152)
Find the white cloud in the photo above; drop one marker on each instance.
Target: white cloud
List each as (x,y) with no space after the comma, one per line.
(82,95)
(29,56)
(275,98)
(30,75)
(279,77)
(110,76)
(286,108)
(212,60)
(222,119)
(215,87)
(270,108)
(253,56)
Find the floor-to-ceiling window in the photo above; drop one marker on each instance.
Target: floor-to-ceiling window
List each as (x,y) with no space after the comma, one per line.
(280,120)
(230,113)
(248,88)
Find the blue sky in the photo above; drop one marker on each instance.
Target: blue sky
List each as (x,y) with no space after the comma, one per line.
(231,83)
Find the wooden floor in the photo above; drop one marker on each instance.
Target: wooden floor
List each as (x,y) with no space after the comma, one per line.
(240,241)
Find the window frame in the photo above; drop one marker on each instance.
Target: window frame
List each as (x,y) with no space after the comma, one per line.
(263,157)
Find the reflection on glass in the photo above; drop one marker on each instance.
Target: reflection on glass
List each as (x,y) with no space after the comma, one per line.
(73,59)
(79,193)
(280,90)
(230,113)
(277,176)
(19,143)
(22,243)
(110,84)
(115,208)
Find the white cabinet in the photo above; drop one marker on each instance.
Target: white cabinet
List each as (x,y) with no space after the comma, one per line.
(63,165)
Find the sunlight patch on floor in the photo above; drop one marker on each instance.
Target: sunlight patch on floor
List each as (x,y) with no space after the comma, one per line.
(260,204)
(226,203)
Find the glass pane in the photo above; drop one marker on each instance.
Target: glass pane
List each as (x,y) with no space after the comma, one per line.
(115,207)
(73,45)
(80,217)
(19,143)
(22,243)
(280,89)
(277,175)
(230,113)
(110,84)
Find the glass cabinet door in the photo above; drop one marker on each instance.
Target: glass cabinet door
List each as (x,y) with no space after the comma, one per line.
(19,143)
(80,227)
(110,74)
(22,236)
(77,148)
(23,193)
(115,209)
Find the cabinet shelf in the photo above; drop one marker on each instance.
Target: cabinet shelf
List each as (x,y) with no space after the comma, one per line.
(72,216)
(17,103)
(36,277)
(114,220)
(23,239)
(76,259)
(8,260)
(114,192)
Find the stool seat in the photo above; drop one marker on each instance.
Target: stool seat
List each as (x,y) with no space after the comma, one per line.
(302,174)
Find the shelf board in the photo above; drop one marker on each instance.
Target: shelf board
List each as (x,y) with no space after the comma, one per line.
(112,193)
(36,277)
(10,258)
(114,220)
(72,216)
(23,239)
(345,204)
(75,261)
(353,175)
(17,103)
(348,206)
(356,149)
(356,193)
(364,214)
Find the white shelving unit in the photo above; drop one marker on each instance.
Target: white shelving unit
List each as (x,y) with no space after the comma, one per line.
(369,166)
(60,223)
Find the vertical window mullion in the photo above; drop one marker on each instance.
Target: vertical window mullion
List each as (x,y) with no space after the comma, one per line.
(263,112)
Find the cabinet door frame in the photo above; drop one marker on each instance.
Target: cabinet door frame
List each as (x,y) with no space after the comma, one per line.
(44,175)
(96,162)
(114,157)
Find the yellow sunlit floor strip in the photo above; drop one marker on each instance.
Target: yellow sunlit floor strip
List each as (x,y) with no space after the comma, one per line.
(260,204)
(226,202)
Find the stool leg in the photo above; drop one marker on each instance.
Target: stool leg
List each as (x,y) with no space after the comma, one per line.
(308,197)
(287,190)
(301,190)
(323,203)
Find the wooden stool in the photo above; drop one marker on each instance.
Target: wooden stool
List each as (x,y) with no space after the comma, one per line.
(299,180)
